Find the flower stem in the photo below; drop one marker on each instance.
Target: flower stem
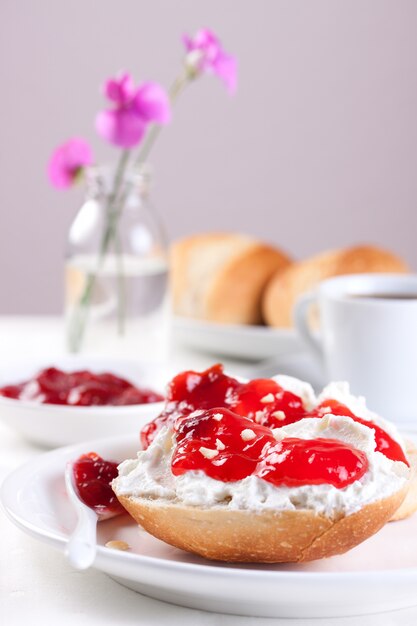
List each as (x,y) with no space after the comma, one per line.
(174,91)
(79,317)
(121,285)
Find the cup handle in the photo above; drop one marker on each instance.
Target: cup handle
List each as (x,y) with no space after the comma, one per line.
(301,310)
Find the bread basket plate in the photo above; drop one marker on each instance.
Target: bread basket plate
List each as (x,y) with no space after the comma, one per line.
(52,425)
(237,340)
(379,575)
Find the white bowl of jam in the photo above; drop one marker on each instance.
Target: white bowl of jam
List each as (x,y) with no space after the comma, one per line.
(66,400)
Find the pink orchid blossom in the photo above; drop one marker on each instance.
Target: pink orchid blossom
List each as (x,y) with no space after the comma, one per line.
(205,54)
(67,161)
(135,107)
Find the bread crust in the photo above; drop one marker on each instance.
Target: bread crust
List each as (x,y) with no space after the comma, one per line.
(220,277)
(222,534)
(288,285)
(409,504)
(235,294)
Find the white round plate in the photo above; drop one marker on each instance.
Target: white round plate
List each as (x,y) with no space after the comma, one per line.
(379,575)
(54,425)
(237,340)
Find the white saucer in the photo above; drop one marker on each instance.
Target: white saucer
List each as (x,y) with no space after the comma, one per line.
(237,340)
(379,575)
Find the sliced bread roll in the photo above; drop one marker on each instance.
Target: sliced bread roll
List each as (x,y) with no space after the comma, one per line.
(251,519)
(266,537)
(220,277)
(288,285)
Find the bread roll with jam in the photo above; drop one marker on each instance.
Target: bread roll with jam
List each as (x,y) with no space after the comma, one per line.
(227,484)
(286,286)
(220,277)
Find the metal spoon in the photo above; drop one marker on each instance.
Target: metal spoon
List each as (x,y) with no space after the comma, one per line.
(82,545)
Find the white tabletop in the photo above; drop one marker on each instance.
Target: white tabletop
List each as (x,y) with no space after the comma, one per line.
(37,586)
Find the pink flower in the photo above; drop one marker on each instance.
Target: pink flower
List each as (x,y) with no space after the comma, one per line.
(205,54)
(152,103)
(135,107)
(67,161)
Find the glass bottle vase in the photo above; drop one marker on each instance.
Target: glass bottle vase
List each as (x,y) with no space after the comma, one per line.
(117,269)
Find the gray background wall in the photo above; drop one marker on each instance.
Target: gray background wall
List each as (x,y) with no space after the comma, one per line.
(318,149)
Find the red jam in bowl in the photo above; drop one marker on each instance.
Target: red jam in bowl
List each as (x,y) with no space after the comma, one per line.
(93,476)
(229,447)
(82,388)
(262,401)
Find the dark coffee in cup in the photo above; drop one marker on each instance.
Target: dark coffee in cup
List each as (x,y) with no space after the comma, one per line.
(385,296)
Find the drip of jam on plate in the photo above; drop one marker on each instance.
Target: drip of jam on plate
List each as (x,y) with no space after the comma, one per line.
(93,476)
(81,388)
(262,400)
(384,442)
(229,447)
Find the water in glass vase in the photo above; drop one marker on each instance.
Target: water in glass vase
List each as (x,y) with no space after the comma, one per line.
(127,310)
(116,268)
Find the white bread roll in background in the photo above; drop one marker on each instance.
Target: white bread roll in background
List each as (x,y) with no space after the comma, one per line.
(220,277)
(288,285)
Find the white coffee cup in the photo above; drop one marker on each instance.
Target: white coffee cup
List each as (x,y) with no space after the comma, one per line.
(368,336)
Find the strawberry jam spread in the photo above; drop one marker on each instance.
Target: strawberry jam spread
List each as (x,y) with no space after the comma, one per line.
(93,476)
(384,443)
(262,402)
(265,402)
(189,391)
(83,388)
(229,447)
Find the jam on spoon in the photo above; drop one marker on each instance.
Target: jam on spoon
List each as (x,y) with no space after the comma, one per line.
(92,478)
(87,482)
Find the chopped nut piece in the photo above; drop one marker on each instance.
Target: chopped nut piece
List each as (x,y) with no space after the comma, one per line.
(247,434)
(208,452)
(325,422)
(220,445)
(279,415)
(259,416)
(218,417)
(278,434)
(117,545)
(268,398)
